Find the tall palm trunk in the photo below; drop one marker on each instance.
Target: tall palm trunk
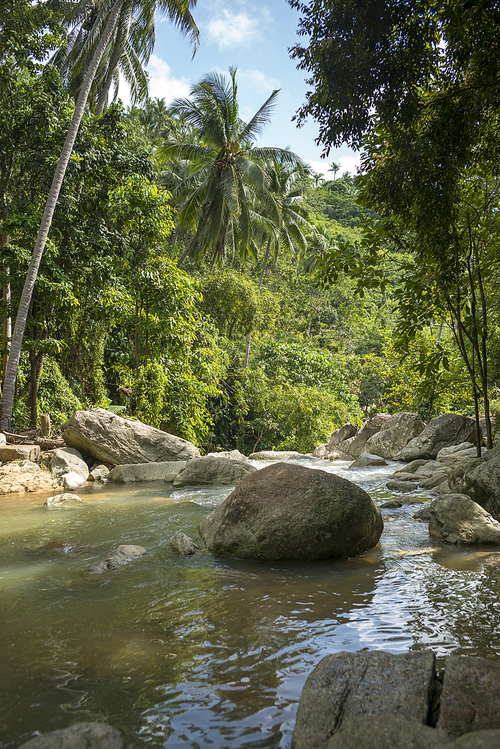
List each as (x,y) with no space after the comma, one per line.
(50,205)
(121,36)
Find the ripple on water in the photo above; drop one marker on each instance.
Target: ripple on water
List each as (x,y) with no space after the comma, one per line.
(200,651)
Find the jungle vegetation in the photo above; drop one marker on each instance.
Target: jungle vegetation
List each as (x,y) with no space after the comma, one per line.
(223,291)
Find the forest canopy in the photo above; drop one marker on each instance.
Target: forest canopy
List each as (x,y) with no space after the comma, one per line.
(183,275)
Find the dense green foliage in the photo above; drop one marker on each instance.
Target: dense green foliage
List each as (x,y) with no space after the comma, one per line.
(225,293)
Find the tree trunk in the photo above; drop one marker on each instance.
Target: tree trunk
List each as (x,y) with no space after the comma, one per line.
(261,278)
(50,205)
(121,34)
(7,320)
(36,361)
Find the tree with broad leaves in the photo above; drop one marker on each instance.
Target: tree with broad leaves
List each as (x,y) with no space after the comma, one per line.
(103,30)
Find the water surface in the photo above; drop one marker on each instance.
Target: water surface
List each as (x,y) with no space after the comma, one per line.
(203,651)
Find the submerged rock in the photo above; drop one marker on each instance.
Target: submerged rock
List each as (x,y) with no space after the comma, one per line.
(287,512)
(78,736)
(124,554)
(60,499)
(401,486)
(112,439)
(182,544)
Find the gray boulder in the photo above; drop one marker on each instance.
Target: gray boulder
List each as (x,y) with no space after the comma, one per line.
(78,736)
(385,732)
(480,480)
(99,473)
(422,514)
(213,472)
(230,454)
(182,544)
(456,519)
(112,439)
(443,431)
(287,512)
(470,700)
(72,481)
(28,465)
(391,732)
(411,467)
(122,555)
(129,474)
(430,467)
(355,446)
(395,434)
(447,451)
(436,479)
(339,435)
(344,685)
(68,460)
(277,455)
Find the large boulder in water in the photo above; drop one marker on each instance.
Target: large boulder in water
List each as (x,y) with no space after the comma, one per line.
(288,512)
(456,519)
(111,439)
(443,431)
(212,471)
(480,479)
(395,434)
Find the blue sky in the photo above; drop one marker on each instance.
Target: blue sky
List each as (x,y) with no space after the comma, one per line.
(253,36)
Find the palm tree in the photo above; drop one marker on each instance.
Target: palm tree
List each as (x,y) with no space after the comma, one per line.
(225,169)
(129,49)
(286,183)
(103,29)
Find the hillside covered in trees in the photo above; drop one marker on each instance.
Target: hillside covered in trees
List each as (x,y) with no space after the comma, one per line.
(221,290)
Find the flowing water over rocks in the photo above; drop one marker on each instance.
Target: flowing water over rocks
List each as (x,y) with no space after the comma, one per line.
(197,651)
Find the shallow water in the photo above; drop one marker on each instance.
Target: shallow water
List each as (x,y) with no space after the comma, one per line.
(199,651)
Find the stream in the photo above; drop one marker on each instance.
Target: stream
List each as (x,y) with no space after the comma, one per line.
(193,652)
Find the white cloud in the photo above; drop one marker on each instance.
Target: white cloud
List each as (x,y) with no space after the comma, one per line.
(258,81)
(229,30)
(162,84)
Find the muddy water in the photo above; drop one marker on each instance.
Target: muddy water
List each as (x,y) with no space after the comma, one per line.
(197,652)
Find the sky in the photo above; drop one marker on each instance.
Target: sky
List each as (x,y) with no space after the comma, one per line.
(252,36)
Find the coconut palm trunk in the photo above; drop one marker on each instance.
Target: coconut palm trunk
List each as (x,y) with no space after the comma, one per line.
(43,232)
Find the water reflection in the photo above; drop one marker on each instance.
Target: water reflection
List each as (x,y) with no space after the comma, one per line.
(189,652)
